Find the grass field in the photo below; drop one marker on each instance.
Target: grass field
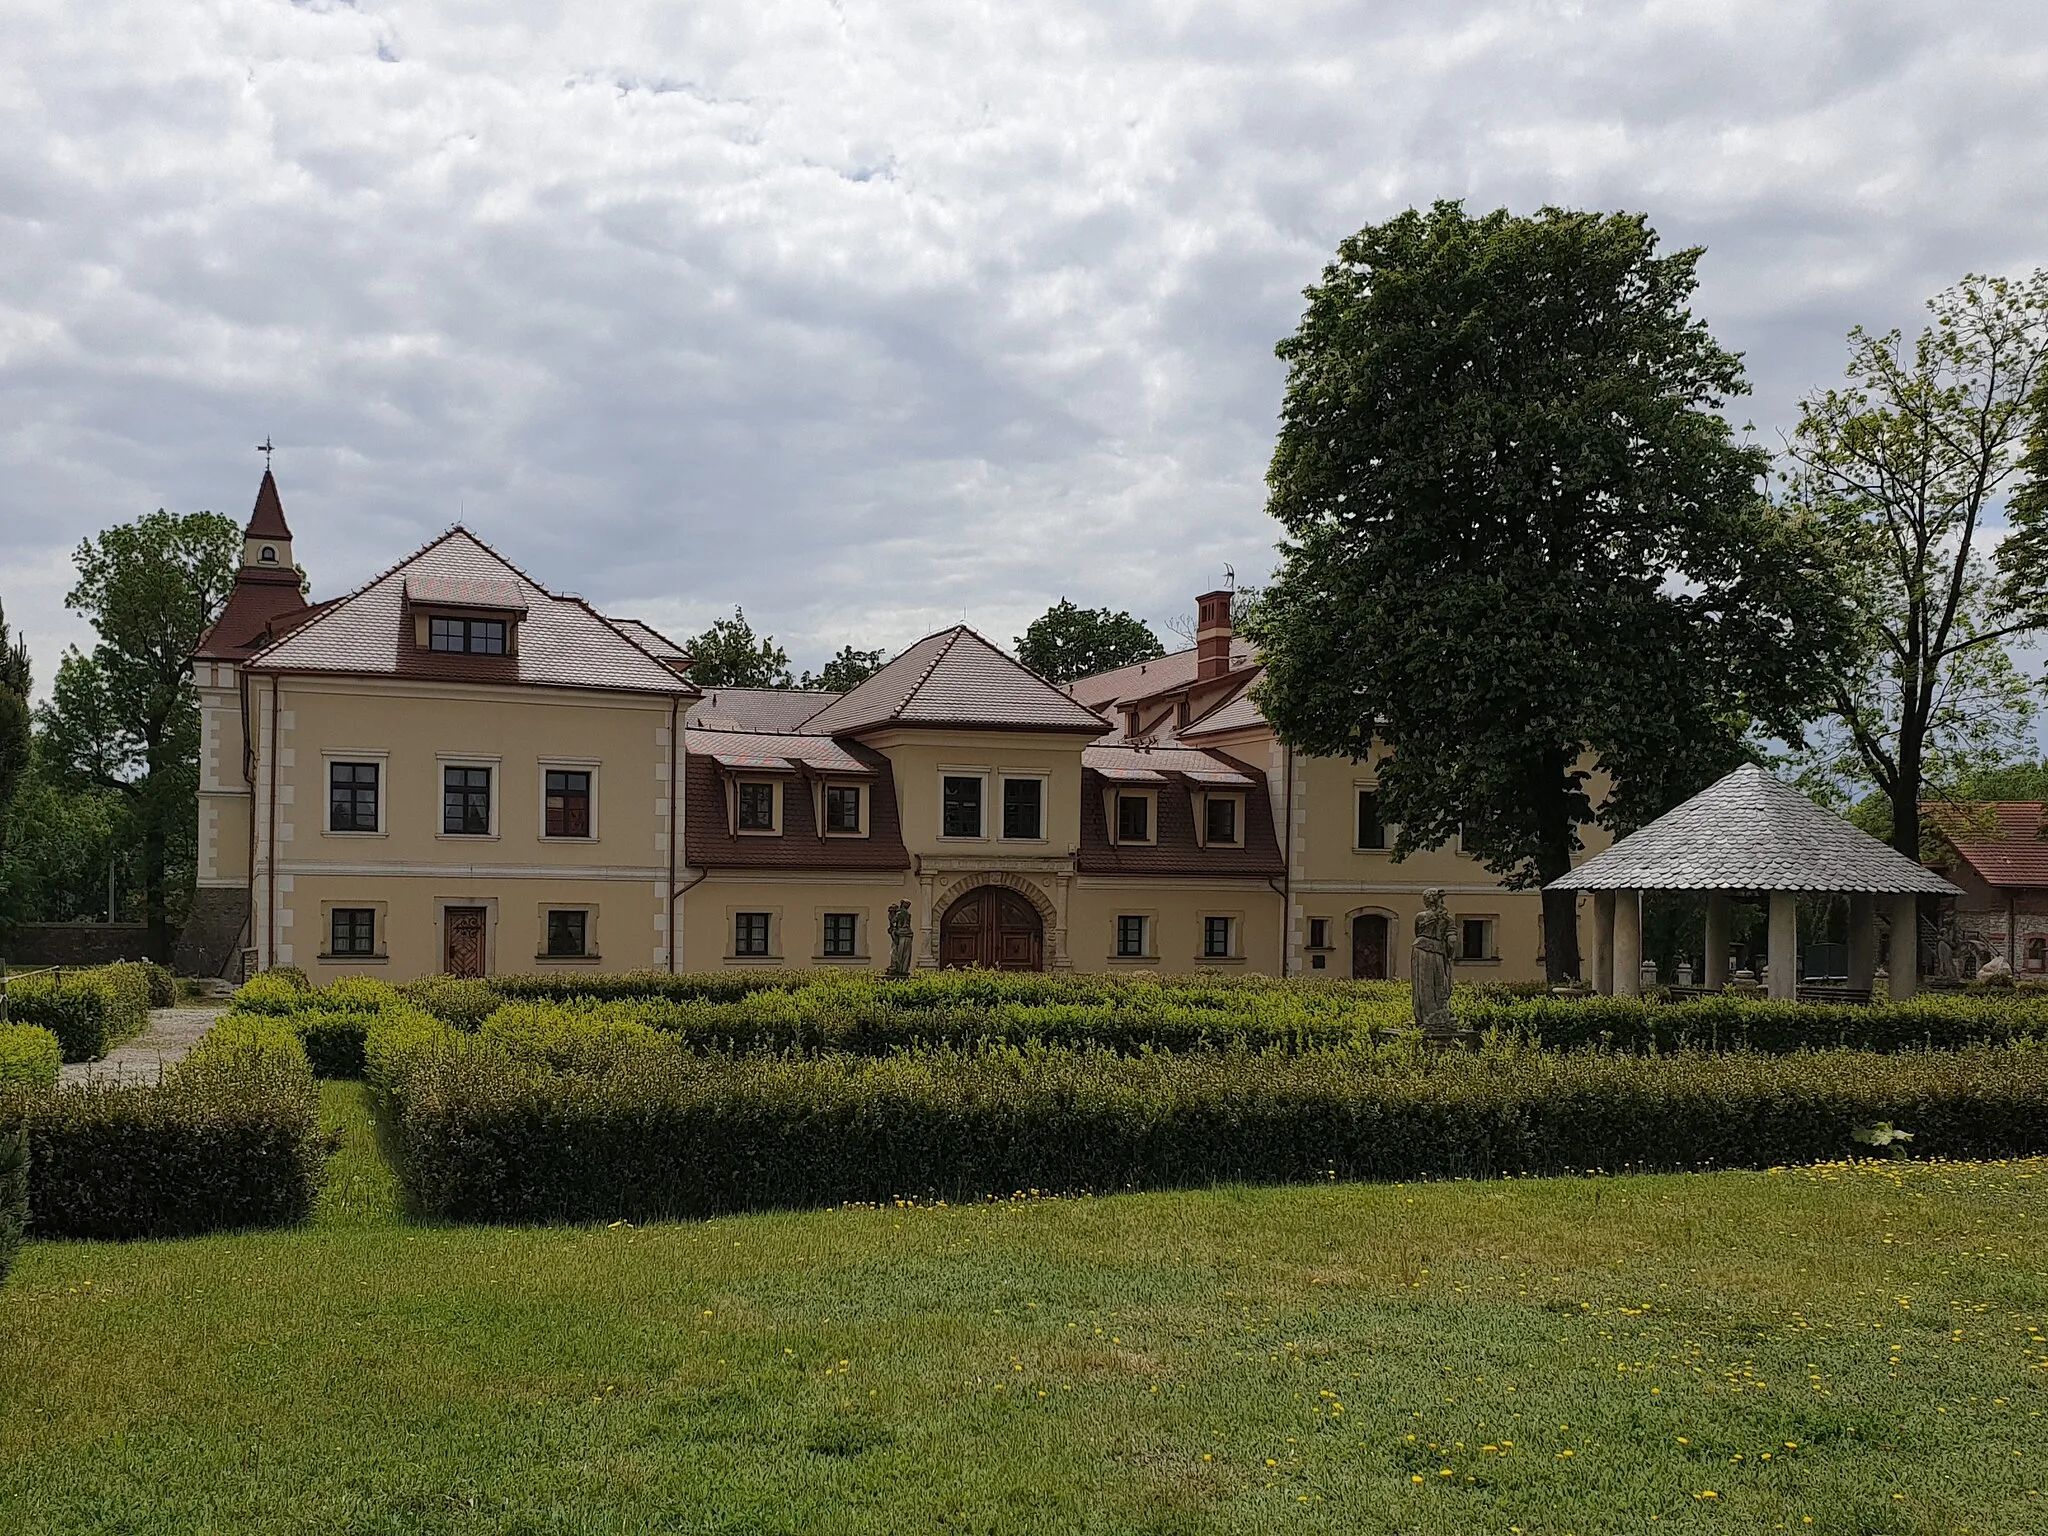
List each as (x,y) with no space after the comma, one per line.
(1843,1350)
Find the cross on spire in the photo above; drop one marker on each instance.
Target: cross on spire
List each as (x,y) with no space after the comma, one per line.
(264,449)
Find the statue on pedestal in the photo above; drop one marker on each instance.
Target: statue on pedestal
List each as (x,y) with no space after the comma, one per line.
(899,940)
(1430,970)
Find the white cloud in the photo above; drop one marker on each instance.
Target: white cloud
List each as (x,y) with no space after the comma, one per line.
(872,316)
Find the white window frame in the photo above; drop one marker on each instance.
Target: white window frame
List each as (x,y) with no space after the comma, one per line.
(861,952)
(447,760)
(1120,792)
(547,765)
(1202,818)
(1028,775)
(778,792)
(982,774)
(380,927)
(865,801)
(1492,921)
(1358,844)
(732,954)
(1235,940)
(591,953)
(382,758)
(1149,954)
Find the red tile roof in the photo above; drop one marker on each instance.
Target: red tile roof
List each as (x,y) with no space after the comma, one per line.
(492,593)
(263,602)
(955,678)
(1145,679)
(762,749)
(2001,840)
(709,841)
(267,521)
(1175,850)
(562,642)
(1234,714)
(757,709)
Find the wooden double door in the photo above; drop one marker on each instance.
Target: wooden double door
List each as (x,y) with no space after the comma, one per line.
(994,927)
(1371,947)
(462,940)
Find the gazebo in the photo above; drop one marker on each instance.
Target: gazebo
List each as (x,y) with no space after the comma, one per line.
(1752,832)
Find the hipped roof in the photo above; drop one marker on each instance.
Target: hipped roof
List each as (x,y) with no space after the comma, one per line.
(1752,832)
(2001,840)
(955,678)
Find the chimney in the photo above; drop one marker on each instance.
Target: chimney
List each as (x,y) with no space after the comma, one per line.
(1212,635)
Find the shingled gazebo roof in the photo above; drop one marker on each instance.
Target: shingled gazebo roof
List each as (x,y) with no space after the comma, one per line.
(1752,832)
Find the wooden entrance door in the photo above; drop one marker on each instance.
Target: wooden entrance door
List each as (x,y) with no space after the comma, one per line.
(1369,947)
(462,931)
(995,927)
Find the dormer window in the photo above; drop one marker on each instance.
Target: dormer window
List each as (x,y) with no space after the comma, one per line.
(756,807)
(478,637)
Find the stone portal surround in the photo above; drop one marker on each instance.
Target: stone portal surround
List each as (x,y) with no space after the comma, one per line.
(1045,883)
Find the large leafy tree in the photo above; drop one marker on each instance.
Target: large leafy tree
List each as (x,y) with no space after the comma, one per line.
(729,655)
(1066,642)
(846,671)
(15,679)
(125,718)
(1523,548)
(1904,467)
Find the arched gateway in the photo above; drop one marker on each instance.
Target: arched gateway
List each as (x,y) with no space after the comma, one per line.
(993,926)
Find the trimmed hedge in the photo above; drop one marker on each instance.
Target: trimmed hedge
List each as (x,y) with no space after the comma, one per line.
(1936,1021)
(13,1196)
(229,1139)
(90,1011)
(29,1056)
(490,1135)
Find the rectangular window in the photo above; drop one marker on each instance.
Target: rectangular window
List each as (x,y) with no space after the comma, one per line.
(1024,808)
(962,807)
(1133,818)
(1476,939)
(351,797)
(1130,936)
(1215,938)
(479,637)
(568,804)
(840,930)
(1319,933)
(567,933)
(757,807)
(466,801)
(750,933)
(842,809)
(354,931)
(1222,819)
(1372,832)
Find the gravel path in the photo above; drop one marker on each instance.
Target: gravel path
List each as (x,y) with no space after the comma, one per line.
(171,1033)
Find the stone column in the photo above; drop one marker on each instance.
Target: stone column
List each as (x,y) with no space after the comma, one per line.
(1602,976)
(1784,951)
(1862,940)
(1714,963)
(1904,968)
(1628,944)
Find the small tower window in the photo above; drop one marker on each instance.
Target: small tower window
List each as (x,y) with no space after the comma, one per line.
(269,555)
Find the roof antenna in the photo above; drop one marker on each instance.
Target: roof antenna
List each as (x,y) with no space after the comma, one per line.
(264,449)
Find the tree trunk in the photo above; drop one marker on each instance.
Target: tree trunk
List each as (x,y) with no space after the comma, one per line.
(153,895)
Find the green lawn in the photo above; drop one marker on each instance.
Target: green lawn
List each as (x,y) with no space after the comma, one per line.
(1858,1348)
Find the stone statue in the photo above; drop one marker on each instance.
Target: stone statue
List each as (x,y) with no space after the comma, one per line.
(899,940)
(1431,972)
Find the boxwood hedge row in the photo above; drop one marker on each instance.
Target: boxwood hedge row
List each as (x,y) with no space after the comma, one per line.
(13,1195)
(92,1010)
(531,1129)
(29,1056)
(228,1139)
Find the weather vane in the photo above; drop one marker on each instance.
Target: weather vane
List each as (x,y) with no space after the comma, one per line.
(264,449)
(1230,577)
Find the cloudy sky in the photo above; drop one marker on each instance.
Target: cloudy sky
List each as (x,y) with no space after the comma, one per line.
(871,316)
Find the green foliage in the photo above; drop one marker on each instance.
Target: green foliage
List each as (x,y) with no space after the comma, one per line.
(229,1139)
(125,719)
(463,1002)
(1900,469)
(1066,642)
(90,1011)
(1519,528)
(844,672)
(728,656)
(15,739)
(29,1056)
(163,986)
(1935,1021)
(13,1191)
(492,1136)
(59,840)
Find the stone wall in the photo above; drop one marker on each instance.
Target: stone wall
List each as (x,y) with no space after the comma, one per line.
(76,943)
(210,943)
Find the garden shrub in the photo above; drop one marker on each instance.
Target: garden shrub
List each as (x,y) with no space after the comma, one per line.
(163,986)
(491,1135)
(228,1139)
(1939,1020)
(462,1001)
(29,1056)
(13,1194)
(90,1011)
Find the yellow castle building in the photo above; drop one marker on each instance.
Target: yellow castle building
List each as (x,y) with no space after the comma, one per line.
(454,770)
